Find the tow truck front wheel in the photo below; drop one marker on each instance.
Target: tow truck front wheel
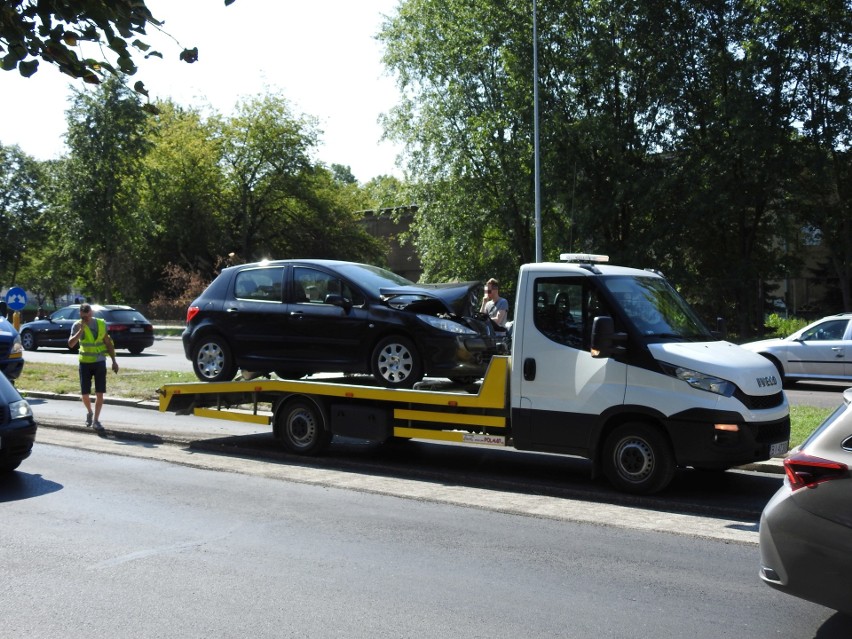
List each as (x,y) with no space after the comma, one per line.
(638,459)
(300,425)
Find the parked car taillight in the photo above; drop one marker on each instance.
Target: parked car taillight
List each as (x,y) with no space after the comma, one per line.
(191,312)
(116,328)
(807,471)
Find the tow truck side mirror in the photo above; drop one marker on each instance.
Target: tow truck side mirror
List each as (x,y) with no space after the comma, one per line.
(604,338)
(603,329)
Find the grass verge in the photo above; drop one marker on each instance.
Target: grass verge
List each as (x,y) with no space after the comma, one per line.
(143,385)
(129,382)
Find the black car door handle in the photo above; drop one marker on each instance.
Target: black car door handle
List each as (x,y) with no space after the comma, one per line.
(232,310)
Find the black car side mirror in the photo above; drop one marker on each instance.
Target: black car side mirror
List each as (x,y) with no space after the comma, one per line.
(338,300)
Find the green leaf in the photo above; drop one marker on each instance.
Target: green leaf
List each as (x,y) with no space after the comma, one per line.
(27,67)
(189,55)
(139,87)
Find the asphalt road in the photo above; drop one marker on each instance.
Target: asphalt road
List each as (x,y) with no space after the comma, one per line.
(166,354)
(128,546)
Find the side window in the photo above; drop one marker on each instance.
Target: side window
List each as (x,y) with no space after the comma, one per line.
(561,307)
(314,287)
(261,284)
(830,330)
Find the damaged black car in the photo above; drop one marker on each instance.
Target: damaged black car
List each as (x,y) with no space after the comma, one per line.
(300,317)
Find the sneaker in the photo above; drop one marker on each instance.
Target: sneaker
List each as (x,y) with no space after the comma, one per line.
(89,419)
(97,425)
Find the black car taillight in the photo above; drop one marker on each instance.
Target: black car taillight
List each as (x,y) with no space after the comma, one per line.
(191,312)
(807,471)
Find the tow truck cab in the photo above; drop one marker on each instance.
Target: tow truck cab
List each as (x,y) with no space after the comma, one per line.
(612,364)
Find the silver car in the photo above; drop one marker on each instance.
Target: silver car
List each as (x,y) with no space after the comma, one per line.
(806,528)
(822,350)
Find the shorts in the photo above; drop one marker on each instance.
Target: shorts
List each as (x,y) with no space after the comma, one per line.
(89,370)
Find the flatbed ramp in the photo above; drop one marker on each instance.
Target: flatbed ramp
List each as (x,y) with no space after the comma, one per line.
(354,410)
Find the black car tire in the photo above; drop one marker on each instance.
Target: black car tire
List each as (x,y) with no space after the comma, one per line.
(136,350)
(212,360)
(9,466)
(300,425)
(637,458)
(396,363)
(28,341)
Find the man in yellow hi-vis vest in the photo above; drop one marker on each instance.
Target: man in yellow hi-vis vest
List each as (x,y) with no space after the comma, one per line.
(91,333)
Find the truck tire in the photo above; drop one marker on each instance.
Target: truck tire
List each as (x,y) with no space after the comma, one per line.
(300,425)
(395,362)
(638,458)
(212,360)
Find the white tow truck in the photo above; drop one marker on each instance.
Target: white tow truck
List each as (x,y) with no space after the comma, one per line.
(607,363)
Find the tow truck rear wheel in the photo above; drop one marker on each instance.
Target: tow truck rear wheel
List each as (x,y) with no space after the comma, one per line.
(637,458)
(300,425)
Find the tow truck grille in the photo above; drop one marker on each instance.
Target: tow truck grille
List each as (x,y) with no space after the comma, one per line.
(760,402)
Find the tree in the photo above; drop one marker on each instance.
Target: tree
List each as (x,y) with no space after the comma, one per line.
(182,195)
(266,156)
(21,210)
(33,30)
(466,120)
(105,227)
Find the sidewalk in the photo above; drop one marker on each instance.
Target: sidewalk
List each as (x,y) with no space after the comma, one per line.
(135,420)
(140,422)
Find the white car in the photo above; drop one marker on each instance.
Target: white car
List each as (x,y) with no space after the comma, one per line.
(822,351)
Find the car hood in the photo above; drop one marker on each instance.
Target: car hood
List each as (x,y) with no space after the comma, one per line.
(456,298)
(751,372)
(766,344)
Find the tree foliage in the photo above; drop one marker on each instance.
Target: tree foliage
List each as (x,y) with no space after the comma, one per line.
(670,131)
(34,30)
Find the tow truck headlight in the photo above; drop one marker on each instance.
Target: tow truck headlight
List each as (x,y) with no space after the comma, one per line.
(701,381)
(443,324)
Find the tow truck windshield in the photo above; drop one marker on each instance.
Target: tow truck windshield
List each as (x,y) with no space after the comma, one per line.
(656,309)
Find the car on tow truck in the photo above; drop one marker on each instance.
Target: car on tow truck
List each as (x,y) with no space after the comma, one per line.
(299,317)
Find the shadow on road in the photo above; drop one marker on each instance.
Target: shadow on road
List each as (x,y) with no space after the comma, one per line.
(713,494)
(17,485)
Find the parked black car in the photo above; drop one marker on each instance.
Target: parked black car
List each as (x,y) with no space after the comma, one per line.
(11,353)
(298,317)
(127,327)
(17,427)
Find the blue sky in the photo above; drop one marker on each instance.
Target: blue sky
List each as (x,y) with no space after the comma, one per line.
(320,54)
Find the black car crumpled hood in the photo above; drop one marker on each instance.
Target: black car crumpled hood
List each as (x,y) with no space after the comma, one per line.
(459,299)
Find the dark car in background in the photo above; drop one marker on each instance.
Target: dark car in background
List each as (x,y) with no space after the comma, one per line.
(17,427)
(298,317)
(127,327)
(806,528)
(11,351)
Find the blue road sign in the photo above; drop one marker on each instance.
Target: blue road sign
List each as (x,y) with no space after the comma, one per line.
(16,298)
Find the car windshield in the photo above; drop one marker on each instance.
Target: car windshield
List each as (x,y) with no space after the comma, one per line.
(655,308)
(372,278)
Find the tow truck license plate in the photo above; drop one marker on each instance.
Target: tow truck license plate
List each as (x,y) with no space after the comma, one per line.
(776,450)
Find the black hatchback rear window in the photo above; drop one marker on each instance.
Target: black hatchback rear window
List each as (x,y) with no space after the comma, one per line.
(127,317)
